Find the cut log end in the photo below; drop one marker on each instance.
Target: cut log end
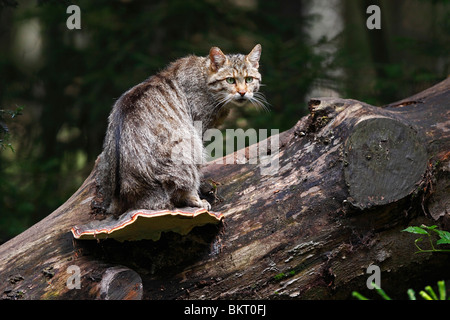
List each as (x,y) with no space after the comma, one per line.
(385,160)
(120,283)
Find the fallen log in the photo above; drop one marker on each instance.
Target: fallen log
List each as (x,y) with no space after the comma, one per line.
(351,176)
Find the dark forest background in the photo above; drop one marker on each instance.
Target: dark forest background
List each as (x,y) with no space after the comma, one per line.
(57,85)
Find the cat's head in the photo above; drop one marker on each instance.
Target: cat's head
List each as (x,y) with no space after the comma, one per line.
(235,77)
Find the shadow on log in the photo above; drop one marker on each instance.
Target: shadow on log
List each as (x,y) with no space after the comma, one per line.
(351,176)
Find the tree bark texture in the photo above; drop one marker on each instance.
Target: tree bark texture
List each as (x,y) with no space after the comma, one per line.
(351,176)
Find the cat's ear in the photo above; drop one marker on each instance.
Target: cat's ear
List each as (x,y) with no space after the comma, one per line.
(254,55)
(217,58)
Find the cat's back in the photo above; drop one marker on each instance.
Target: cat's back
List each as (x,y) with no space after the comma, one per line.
(153,114)
(163,95)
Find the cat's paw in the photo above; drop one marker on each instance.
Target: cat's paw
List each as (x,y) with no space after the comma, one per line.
(197,202)
(206,205)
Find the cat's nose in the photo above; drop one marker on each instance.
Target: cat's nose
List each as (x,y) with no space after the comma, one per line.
(242,92)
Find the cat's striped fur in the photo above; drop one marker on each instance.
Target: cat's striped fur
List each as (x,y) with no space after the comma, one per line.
(137,166)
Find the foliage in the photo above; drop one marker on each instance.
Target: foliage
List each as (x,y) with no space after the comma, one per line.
(380,291)
(427,294)
(443,237)
(4,130)
(386,65)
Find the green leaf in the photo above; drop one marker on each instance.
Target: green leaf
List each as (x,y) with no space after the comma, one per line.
(431,292)
(444,235)
(441,288)
(358,296)
(381,292)
(17,112)
(430,227)
(425,295)
(443,241)
(411,294)
(416,230)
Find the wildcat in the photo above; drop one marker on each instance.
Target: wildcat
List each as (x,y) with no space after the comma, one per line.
(137,168)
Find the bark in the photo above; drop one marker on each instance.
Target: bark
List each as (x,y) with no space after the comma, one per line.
(351,176)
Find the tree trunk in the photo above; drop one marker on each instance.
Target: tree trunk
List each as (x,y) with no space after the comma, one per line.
(351,176)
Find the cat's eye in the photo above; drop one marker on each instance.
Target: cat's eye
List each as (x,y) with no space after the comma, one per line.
(230,80)
(248,79)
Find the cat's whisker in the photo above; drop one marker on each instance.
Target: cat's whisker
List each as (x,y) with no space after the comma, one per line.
(259,101)
(221,102)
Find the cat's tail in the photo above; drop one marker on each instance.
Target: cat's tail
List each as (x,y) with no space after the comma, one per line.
(109,178)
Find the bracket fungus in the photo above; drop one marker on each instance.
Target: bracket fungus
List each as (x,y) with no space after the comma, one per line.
(146,224)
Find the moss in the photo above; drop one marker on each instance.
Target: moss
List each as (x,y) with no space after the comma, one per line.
(280,276)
